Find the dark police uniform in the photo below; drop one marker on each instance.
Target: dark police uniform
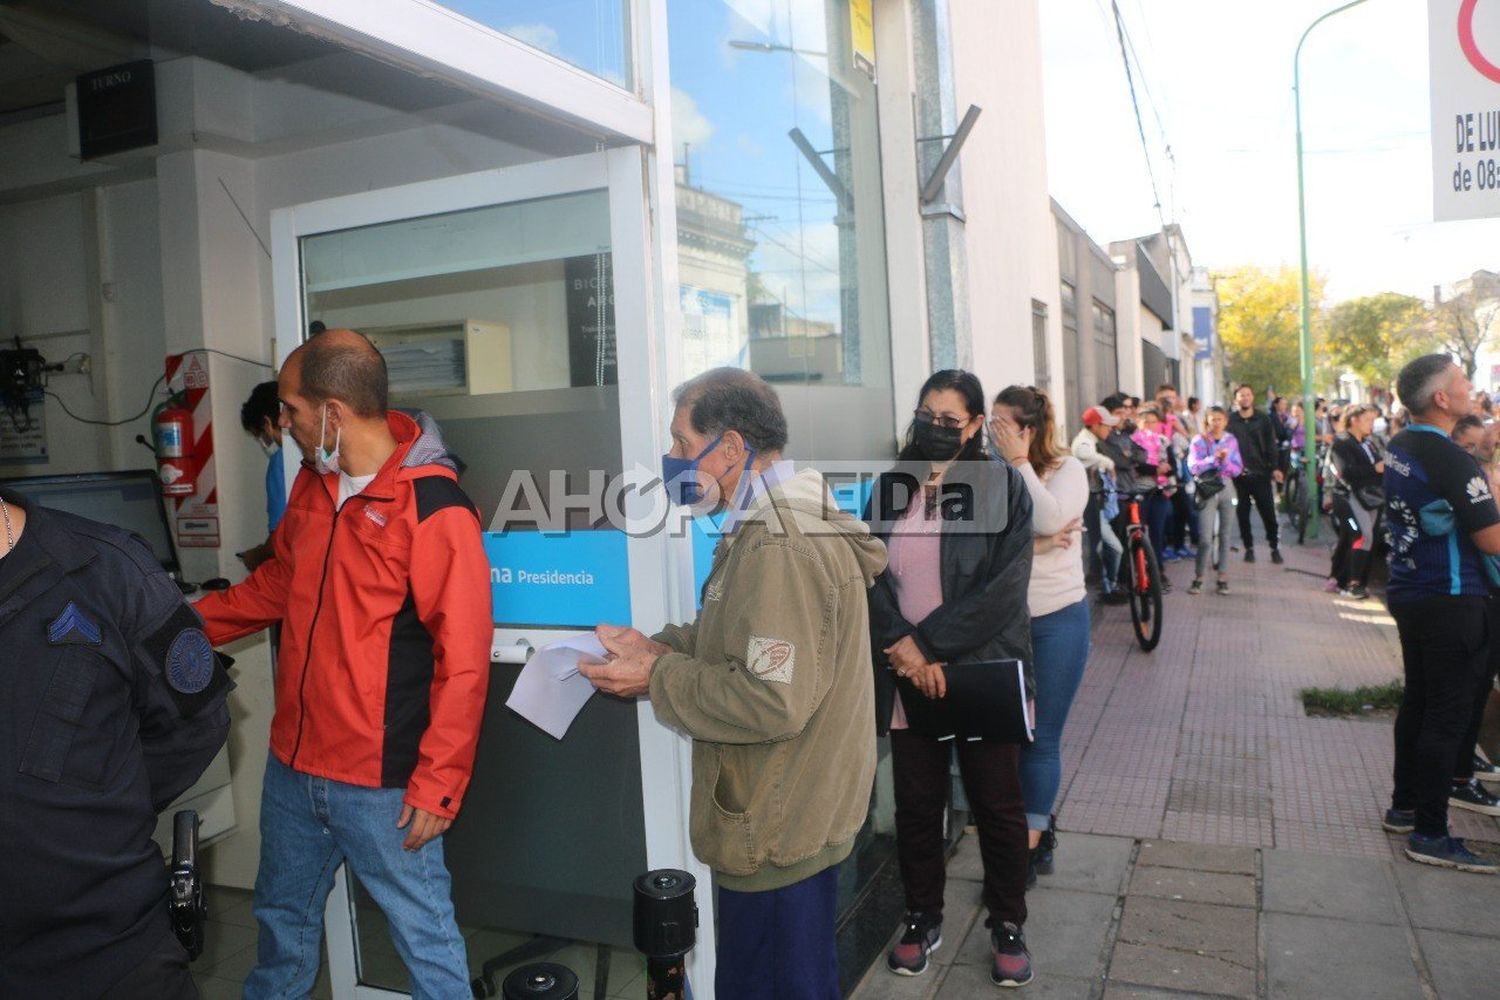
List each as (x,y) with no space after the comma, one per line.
(112,703)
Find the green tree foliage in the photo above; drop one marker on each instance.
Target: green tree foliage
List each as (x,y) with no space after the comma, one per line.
(1374,336)
(1260,323)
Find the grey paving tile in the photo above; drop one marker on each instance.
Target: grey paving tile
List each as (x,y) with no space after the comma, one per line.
(1225,933)
(1463,967)
(1198,887)
(966,862)
(1125,991)
(1169,968)
(1448,900)
(221,942)
(213,988)
(1089,862)
(1317,958)
(965,982)
(881,984)
(1321,885)
(1198,857)
(1065,932)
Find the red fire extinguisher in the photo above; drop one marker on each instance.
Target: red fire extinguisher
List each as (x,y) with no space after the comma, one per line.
(173,429)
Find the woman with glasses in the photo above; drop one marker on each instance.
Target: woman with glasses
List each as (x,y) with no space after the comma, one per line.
(957,523)
(1024,430)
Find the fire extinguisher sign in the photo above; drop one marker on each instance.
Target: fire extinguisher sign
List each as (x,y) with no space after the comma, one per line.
(185,452)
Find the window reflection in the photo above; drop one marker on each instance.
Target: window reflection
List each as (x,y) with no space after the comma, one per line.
(780,237)
(591,34)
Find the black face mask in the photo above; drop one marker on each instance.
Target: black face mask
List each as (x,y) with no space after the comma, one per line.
(938,443)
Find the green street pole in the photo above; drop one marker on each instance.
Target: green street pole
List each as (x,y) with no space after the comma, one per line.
(1309,419)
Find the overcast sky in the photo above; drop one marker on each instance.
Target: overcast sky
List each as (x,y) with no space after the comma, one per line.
(1218,74)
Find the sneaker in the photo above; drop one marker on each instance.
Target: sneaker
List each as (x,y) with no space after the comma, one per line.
(1479,754)
(1222,588)
(1358,592)
(1474,797)
(1448,852)
(1345,592)
(1330,586)
(1399,821)
(1195,588)
(1249,555)
(1010,961)
(1041,854)
(1116,597)
(1169,555)
(1276,556)
(922,937)
(1483,769)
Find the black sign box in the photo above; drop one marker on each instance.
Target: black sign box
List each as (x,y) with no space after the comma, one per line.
(591,320)
(117,109)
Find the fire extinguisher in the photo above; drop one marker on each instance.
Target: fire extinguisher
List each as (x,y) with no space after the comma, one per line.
(173,429)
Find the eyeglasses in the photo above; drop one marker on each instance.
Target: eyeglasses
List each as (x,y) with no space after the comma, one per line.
(926,416)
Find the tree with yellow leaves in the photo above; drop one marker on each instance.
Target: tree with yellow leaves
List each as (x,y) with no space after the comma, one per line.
(1260,324)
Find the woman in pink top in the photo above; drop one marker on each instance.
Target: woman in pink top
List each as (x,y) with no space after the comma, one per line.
(958,525)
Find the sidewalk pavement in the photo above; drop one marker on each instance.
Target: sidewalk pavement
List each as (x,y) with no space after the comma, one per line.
(1217,842)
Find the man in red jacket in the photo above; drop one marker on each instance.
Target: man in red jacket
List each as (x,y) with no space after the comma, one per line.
(381,585)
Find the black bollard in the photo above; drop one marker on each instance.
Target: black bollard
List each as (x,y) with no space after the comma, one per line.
(540,981)
(666,928)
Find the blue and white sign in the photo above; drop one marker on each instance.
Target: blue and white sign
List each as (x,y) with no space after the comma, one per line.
(577,579)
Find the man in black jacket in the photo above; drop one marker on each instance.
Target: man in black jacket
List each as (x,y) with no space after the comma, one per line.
(1256,433)
(114,705)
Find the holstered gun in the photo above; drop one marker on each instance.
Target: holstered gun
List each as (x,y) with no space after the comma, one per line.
(189,911)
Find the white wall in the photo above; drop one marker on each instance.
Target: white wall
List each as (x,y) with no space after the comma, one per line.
(1012,238)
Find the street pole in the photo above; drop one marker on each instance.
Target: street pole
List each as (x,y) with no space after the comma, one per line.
(1309,418)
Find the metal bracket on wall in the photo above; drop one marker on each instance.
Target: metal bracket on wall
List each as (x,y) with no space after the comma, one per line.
(934,185)
(823,170)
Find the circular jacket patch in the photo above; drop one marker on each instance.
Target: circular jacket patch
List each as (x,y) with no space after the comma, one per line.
(190,661)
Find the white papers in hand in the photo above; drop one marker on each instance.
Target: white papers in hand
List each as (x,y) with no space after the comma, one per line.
(550,691)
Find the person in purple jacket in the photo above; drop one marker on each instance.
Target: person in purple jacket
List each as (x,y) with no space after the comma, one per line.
(1215,451)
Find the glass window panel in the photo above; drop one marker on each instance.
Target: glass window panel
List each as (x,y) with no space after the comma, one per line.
(593,35)
(781,244)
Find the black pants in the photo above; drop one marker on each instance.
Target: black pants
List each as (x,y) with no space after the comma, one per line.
(1184,520)
(162,975)
(1252,486)
(1444,651)
(992,781)
(1464,769)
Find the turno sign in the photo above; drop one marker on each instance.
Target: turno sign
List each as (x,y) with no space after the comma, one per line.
(1464,43)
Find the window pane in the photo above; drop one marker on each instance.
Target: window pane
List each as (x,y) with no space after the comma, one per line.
(591,34)
(780,239)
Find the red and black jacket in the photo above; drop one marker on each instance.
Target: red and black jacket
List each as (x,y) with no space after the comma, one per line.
(386,627)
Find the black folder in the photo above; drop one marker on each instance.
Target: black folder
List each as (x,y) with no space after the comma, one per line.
(985,701)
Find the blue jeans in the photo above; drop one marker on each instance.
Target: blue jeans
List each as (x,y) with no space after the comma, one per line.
(308,827)
(1060,649)
(779,944)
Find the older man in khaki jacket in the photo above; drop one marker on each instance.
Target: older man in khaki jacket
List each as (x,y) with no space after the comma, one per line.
(773,682)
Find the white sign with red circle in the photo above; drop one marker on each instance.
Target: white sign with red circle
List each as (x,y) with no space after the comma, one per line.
(1464,45)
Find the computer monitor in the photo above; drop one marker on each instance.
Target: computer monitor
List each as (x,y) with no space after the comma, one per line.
(130,500)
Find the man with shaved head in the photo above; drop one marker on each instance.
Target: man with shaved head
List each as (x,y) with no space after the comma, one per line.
(381,585)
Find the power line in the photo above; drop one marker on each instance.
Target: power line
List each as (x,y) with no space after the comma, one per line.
(1136,104)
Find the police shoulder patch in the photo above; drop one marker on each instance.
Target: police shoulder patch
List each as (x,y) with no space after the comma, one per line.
(190,661)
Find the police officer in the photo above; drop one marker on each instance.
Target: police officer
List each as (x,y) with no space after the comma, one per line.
(111,705)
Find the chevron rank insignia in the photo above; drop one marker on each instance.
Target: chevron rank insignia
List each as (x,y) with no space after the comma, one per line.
(73,628)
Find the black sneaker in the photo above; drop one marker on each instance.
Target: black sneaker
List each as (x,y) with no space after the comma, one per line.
(922,937)
(1276,556)
(1195,588)
(1358,592)
(1222,588)
(1249,555)
(1399,820)
(1448,852)
(1046,846)
(1116,596)
(1484,770)
(1010,962)
(1474,797)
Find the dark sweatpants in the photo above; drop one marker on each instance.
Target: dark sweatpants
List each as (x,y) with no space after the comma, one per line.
(1464,770)
(779,944)
(1248,487)
(1444,650)
(992,781)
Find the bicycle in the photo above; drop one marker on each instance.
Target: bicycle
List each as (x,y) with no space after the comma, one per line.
(1145,588)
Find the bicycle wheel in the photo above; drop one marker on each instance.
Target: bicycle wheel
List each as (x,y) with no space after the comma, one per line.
(1145,593)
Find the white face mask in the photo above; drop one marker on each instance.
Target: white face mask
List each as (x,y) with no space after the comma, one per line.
(325,460)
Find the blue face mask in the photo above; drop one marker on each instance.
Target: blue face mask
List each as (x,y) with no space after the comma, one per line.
(680,476)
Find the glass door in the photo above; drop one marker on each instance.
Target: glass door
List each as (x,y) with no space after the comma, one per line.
(512,310)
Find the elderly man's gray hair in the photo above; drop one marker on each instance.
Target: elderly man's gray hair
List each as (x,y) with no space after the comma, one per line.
(725,399)
(1421,380)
